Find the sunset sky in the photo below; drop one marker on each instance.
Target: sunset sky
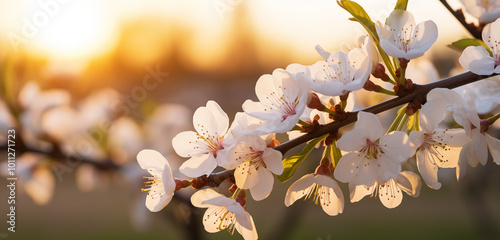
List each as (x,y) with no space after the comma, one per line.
(82,30)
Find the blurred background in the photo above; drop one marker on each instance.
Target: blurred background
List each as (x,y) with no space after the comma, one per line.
(94,82)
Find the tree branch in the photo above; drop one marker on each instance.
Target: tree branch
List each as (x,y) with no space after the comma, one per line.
(215,179)
(474,30)
(419,93)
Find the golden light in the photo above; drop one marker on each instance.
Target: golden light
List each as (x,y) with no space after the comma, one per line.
(77,31)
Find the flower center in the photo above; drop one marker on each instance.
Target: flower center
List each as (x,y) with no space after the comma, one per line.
(387,190)
(212,143)
(282,104)
(253,161)
(223,218)
(433,146)
(154,184)
(339,72)
(403,38)
(371,150)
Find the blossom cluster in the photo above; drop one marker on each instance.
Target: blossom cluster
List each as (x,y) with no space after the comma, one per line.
(443,130)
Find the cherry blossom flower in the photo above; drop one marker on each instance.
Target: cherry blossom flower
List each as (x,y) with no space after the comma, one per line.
(372,156)
(478,59)
(255,164)
(340,73)
(282,99)
(477,150)
(437,147)
(224,213)
(401,37)
(36,178)
(389,193)
(205,146)
(325,190)
(161,184)
(485,11)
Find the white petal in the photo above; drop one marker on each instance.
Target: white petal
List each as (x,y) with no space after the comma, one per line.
(242,216)
(198,198)
(427,170)
(332,200)
(259,110)
(494,146)
(409,182)
(273,160)
(157,203)
(416,138)
(368,127)
(358,192)
(246,175)
(427,33)
(299,189)
(248,234)
(431,114)
(189,143)
(449,96)
(390,194)
(392,50)
(324,54)
(348,167)
(396,146)
(210,221)
(453,137)
(264,185)
(198,165)
(368,172)
(478,60)
(210,121)
(480,146)
(41,185)
(148,158)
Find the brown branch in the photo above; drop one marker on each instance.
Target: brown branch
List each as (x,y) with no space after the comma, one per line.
(215,179)
(474,30)
(419,93)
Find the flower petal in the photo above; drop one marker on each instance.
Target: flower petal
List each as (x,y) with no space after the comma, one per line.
(198,165)
(246,175)
(299,189)
(273,160)
(368,127)
(478,60)
(264,185)
(390,194)
(427,169)
(348,167)
(396,146)
(148,158)
(247,234)
(409,182)
(494,146)
(358,192)
(480,146)
(189,143)
(432,114)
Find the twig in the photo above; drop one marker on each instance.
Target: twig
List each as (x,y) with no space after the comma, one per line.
(475,31)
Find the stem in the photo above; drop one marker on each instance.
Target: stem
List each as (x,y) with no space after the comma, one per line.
(236,192)
(336,154)
(402,79)
(396,122)
(387,61)
(492,119)
(403,122)
(303,123)
(343,104)
(385,91)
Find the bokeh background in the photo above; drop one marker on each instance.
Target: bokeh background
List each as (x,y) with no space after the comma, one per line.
(101,80)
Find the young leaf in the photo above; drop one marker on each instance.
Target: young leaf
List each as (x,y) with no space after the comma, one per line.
(359,15)
(292,162)
(401,4)
(466,42)
(413,122)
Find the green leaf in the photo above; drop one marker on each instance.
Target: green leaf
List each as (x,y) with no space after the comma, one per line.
(466,42)
(292,162)
(359,15)
(401,4)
